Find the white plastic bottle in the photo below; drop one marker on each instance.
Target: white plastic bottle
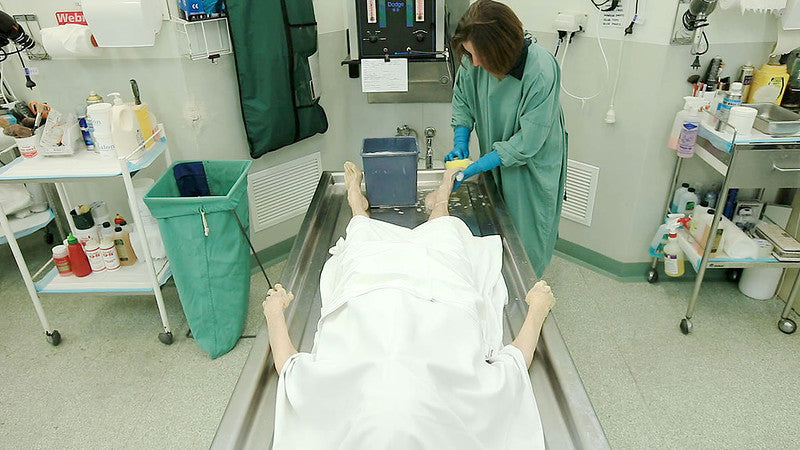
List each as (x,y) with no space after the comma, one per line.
(125,130)
(689,129)
(676,197)
(701,224)
(687,201)
(673,256)
(92,250)
(109,253)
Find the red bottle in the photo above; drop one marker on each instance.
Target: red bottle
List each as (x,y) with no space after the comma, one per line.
(78,259)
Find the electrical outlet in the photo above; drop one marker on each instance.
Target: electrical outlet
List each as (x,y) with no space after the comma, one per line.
(570,22)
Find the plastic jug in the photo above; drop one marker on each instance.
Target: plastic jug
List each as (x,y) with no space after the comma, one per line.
(125,130)
(769,83)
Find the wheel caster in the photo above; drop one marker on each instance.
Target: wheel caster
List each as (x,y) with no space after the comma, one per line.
(49,238)
(733,275)
(54,338)
(788,326)
(686,326)
(652,275)
(165,338)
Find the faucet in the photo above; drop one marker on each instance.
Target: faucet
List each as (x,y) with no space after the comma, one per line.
(430,132)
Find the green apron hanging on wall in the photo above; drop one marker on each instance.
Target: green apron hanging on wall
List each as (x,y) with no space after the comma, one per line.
(272,42)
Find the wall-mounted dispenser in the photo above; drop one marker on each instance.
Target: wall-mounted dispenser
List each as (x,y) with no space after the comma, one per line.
(419,30)
(123,23)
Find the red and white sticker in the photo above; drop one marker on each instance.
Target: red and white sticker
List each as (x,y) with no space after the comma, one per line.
(70,17)
(372,12)
(420,10)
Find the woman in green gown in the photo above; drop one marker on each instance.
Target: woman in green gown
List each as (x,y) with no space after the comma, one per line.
(507,90)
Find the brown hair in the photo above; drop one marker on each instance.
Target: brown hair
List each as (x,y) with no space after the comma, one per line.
(495,33)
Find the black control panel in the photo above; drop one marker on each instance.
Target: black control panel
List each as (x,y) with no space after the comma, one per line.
(404,28)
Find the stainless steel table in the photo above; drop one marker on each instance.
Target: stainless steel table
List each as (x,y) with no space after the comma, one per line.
(568,417)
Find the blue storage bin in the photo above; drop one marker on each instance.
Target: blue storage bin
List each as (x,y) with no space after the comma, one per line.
(390,170)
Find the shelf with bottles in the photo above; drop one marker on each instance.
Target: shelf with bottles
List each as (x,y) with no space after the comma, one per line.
(84,164)
(126,279)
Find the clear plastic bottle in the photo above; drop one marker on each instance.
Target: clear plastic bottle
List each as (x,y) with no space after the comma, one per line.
(676,197)
(689,129)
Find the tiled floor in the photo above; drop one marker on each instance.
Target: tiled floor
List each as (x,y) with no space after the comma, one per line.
(733,383)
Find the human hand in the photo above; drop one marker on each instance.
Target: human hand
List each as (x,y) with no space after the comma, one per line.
(486,162)
(277,299)
(460,151)
(540,297)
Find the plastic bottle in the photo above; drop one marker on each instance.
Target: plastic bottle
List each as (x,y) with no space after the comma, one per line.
(125,131)
(687,201)
(660,238)
(109,253)
(769,82)
(83,123)
(701,222)
(733,98)
(77,258)
(95,256)
(106,231)
(676,197)
(145,118)
(730,203)
(689,103)
(61,260)
(689,130)
(122,241)
(673,255)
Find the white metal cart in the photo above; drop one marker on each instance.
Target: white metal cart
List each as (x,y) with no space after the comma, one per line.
(145,277)
(757,161)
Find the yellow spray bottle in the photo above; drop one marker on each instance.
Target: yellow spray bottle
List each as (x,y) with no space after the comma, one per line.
(146,120)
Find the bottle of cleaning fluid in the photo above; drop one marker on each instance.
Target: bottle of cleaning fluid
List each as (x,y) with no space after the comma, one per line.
(687,201)
(769,82)
(125,130)
(689,102)
(660,238)
(673,206)
(146,119)
(733,98)
(95,256)
(689,129)
(673,255)
(122,241)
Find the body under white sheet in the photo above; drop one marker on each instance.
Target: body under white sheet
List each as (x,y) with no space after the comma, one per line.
(408,352)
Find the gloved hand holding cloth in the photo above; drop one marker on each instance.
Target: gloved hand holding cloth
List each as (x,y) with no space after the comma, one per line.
(486,162)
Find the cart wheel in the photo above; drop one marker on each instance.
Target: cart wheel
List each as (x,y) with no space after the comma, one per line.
(788,326)
(49,238)
(54,338)
(165,338)
(686,326)
(733,275)
(652,275)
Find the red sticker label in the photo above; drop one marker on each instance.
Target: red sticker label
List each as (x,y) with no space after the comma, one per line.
(67,17)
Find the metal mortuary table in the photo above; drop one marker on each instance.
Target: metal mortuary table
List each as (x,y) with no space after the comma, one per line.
(568,419)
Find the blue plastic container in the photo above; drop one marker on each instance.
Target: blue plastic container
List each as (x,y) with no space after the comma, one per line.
(390,170)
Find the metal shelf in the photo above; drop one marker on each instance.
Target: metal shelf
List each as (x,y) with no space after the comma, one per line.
(125,279)
(205,39)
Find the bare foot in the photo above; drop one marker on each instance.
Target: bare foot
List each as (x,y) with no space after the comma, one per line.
(352,181)
(442,194)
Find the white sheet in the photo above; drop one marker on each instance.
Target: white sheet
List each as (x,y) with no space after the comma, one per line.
(408,352)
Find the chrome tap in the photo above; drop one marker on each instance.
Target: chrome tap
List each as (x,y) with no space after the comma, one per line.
(430,132)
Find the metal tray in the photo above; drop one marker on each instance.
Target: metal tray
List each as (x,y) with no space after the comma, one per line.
(775,120)
(568,418)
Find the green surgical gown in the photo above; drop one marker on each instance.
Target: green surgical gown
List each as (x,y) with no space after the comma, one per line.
(522,120)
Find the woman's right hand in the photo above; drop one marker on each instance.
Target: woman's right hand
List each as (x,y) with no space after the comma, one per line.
(541,296)
(277,299)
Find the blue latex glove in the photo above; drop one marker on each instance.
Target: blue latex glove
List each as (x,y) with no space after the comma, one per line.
(486,162)
(460,144)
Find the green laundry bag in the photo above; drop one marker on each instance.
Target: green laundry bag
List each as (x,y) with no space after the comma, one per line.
(208,254)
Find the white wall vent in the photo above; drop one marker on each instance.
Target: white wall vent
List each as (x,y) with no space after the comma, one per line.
(581,189)
(282,192)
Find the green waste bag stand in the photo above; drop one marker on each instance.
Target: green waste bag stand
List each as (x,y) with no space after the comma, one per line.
(208,254)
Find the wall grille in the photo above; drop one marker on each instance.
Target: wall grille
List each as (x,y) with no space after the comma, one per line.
(282,192)
(581,189)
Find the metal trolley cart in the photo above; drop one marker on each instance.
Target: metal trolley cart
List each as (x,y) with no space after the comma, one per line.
(759,162)
(143,278)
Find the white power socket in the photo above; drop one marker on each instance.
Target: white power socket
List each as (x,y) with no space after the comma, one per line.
(570,22)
